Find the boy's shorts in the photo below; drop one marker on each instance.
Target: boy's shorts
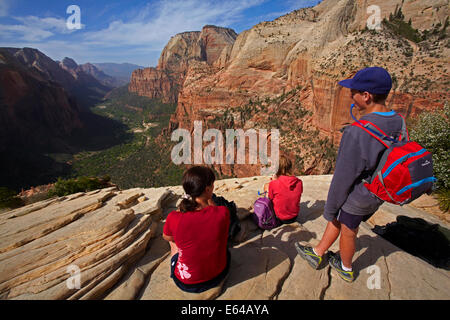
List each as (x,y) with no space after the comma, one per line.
(352,221)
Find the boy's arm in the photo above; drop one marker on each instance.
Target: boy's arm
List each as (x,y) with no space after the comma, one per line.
(349,166)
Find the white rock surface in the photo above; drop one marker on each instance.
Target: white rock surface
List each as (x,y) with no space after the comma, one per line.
(115,239)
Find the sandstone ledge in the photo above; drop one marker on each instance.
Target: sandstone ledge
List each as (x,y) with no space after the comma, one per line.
(114,238)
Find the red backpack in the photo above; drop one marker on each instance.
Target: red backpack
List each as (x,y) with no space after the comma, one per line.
(405,170)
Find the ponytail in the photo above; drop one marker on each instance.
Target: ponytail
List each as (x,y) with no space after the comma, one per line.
(195,181)
(187,205)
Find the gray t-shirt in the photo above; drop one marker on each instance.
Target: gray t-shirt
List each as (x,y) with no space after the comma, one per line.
(358,157)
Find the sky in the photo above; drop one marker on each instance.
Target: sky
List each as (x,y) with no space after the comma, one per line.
(132,31)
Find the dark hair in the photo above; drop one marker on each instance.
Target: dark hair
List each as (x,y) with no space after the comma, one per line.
(377,98)
(195,181)
(285,166)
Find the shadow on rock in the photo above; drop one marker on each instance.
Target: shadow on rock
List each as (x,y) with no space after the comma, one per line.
(260,265)
(285,237)
(375,250)
(309,213)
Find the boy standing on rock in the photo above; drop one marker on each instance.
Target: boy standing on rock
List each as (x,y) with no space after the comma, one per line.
(349,202)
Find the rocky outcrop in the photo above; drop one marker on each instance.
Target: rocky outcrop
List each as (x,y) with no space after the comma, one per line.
(112,240)
(212,45)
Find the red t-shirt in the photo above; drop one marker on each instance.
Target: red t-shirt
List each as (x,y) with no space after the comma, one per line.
(285,193)
(201,237)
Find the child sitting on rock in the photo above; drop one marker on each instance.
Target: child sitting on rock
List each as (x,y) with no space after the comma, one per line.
(198,235)
(285,192)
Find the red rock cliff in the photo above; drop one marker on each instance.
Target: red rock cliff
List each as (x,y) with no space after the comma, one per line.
(276,70)
(212,45)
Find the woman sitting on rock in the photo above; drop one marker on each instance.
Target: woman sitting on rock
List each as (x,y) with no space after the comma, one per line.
(198,235)
(285,192)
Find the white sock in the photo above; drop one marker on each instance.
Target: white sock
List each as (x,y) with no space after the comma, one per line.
(345,268)
(316,252)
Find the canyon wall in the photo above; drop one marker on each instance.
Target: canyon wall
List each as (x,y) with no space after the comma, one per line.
(212,45)
(277,69)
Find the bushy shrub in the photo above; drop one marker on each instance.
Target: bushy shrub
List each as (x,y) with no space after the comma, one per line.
(82,184)
(443,197)
(432,131)
(9,199)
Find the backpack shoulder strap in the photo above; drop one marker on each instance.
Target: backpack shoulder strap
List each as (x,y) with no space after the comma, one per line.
(404,133)
(374,131)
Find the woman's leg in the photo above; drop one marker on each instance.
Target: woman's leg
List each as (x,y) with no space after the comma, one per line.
(266,188)
(329,237)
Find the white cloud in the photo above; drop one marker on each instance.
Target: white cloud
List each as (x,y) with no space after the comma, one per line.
(58,25)
(156,23)
(24,32)
(32,28)
(141,32)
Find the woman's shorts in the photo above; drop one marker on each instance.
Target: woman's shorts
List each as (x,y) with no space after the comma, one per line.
(287,221)
(198,287)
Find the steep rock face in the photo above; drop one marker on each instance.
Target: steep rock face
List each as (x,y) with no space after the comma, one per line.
(50,70)
(296,62)
(35,111)
(87,81)
(43,111)
(212,44)
(84,87)
(155,84)
(88,74)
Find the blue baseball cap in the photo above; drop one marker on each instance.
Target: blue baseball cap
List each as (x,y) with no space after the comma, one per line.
(374,80)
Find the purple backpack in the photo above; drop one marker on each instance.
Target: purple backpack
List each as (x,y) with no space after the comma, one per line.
(264,216)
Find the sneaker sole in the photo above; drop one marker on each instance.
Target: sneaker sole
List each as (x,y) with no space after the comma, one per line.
(307,257)
(343,278)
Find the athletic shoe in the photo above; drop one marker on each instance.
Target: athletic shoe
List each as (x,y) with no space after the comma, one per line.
(308,254)
(336,263)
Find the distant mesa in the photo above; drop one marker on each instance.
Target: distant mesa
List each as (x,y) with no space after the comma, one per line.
(121,72)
